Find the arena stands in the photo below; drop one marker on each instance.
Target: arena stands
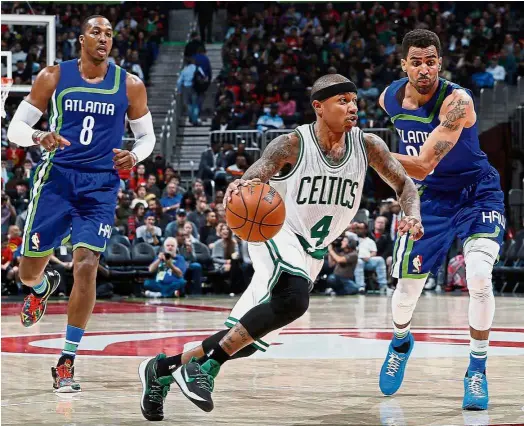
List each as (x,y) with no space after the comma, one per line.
(272,53)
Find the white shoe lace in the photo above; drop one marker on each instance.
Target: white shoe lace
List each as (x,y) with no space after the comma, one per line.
(475,384)
(393,364)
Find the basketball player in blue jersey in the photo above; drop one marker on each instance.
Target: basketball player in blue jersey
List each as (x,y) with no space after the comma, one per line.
(460,195)
(75,185)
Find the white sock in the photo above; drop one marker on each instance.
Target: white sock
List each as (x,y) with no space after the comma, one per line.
(478,348)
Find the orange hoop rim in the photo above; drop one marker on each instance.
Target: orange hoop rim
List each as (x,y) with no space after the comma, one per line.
(6,81)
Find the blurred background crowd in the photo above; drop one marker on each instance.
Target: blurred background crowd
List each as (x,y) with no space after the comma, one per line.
(170,237)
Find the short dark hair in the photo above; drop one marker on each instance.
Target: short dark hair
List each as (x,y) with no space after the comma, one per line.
(420,38)
(85,22)
(326,81)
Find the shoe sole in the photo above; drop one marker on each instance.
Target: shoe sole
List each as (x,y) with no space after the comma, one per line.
(67,389)
(475,408)
(45,307)
(142,374)
(180,381)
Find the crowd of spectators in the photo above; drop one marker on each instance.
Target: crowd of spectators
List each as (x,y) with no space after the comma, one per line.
(138,33)
(271,57)
(274,52)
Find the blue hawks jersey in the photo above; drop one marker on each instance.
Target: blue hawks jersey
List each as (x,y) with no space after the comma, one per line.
(90,116)
(465,164)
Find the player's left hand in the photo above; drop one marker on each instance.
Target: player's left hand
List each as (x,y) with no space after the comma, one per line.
(412,225)
(123,160)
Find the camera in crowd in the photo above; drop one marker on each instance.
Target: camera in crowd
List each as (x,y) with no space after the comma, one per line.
(167,256)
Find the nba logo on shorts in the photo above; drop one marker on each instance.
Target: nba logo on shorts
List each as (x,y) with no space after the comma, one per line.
(417,263)
(35,240)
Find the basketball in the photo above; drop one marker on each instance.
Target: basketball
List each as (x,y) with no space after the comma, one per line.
(256,213)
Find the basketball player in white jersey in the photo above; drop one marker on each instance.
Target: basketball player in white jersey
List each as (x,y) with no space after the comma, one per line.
(319,171)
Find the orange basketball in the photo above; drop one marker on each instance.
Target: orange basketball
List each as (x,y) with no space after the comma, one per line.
(256,213)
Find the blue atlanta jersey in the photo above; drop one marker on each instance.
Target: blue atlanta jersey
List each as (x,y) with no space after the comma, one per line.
(464,165)
(90,116)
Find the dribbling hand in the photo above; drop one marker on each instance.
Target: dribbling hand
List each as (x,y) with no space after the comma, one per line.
(412,225)
(232,189)
(50,140)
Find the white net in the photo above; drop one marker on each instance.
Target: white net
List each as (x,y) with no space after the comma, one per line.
(6,86)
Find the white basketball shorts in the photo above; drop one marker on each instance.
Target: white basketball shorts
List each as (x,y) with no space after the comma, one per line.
(283,253)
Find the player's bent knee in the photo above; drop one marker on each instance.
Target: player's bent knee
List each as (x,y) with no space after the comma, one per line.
(30,272)
(480,255)
(291,296)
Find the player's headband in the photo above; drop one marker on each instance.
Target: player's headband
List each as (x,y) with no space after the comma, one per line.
(333,90)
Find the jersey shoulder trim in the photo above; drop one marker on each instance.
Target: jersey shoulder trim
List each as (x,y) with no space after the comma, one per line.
(436,108)
(349,148)
(364,150)
(299,159)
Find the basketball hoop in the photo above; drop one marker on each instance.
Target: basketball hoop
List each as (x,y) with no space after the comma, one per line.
(6,86)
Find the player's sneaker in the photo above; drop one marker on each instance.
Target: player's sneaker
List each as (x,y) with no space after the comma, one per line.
(392,371)
(197,382)
(63,378)
(34,307)
(475,391)
(154,389)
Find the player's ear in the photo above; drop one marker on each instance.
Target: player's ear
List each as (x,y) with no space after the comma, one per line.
(403,64)
(317,106)
(439,63)
(81,39)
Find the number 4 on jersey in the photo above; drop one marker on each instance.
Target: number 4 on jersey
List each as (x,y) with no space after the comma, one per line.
(321,229)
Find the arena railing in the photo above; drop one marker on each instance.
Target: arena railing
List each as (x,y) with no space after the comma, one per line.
(257,141)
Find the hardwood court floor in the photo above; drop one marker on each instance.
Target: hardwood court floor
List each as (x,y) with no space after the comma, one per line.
(323,370)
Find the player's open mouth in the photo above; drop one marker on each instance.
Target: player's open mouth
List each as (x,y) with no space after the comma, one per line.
(102,50)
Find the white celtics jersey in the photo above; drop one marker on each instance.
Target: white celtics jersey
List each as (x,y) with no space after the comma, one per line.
(321,199)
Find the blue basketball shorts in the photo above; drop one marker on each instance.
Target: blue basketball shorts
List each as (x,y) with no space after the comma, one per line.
(66,204)
(476,211)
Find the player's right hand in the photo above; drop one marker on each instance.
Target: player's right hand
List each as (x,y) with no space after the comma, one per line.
(412,225)
(232,189)
(50,140)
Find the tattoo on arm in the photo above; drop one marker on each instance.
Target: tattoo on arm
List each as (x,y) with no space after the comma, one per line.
(392,172)
(281,151)
(442,148)
(456,113)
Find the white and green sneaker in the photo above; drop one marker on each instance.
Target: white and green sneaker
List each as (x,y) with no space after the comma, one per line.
(197,382)
(154,389)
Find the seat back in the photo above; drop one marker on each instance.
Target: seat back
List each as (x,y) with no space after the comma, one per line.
(116,253)
(143,253)
(120,239)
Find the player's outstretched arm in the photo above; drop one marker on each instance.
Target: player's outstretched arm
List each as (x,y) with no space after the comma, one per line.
(456,113)
(30,110)
(141,123)
(281,151)
(392,172)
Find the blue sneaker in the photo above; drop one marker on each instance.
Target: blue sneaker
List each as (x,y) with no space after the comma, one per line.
(392,371)
(475,391)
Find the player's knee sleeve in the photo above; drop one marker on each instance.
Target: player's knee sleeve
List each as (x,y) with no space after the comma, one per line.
(480,256)
(289,301)
(290,297)
(405,299)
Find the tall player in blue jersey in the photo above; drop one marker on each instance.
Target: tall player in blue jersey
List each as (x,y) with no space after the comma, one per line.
(75,185)
(460,195)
